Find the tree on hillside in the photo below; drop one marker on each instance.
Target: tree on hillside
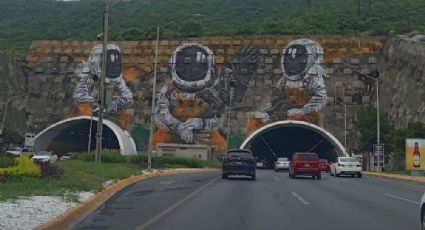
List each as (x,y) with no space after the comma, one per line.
(190,28)
(132,34)
(367,125)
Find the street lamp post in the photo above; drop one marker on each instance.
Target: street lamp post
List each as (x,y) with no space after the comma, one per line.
(345,120)
(150,148)
(91,125)
(378,130)
(228,119)
(102,84)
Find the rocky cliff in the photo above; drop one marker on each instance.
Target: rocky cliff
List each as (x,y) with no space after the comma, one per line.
(402,68)
(13,92)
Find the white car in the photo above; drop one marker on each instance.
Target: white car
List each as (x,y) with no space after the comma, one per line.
(346,166)
(422,210)
(45,157)
(281,163)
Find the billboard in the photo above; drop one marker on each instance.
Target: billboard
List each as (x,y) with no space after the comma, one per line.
(415,154)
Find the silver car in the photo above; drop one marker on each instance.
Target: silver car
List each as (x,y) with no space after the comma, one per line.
(281,163)
(45,157)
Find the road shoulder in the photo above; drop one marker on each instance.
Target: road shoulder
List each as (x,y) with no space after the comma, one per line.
(76,214)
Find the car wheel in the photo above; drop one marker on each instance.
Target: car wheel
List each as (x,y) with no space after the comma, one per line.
(423,218)
(336,174)
(319,177)
(224,176)
(293,176)
(289,174)
(359,175)
(253,177)
(276,170)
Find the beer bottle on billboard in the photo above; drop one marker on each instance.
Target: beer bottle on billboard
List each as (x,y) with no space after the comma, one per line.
(416,156)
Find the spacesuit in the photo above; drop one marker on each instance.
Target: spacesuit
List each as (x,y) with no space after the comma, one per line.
(301,90)
(91,72)
(190,105)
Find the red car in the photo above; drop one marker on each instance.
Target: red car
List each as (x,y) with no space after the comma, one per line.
(307,164)
(324,165)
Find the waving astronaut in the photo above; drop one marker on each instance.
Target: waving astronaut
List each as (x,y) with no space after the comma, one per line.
(189,106)
(301,90)
(91,72)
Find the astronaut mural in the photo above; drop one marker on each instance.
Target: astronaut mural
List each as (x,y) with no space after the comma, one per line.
(191,104)
(91,70)
(300,93)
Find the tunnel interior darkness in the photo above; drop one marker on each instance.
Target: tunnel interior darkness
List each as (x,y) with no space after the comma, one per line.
(284,141)
(75,138)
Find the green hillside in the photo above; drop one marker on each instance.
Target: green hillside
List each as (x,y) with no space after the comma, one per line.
(26,20)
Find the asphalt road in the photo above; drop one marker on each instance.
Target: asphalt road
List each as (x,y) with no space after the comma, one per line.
(273,201)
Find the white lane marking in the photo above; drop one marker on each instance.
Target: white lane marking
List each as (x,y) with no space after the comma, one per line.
(276,178)
(336,181)
(299,198)
(401,198)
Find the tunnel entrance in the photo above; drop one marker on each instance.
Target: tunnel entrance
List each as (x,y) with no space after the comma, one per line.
(72,135)
(284,138)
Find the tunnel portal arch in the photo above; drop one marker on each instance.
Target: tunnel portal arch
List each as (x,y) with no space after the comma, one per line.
(283,138)
(72,135)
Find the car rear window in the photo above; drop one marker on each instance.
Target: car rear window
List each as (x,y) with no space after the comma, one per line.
(348,159)
(306,157)
(323,160)
(281,159)
(240,154)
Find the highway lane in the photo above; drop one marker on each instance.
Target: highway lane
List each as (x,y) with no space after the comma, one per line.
(273,201)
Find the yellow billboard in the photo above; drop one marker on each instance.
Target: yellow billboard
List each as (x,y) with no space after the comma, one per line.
(415,154)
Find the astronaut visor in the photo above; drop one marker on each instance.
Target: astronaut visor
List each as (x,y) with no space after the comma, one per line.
(295,59)
(192,63)
(113,63)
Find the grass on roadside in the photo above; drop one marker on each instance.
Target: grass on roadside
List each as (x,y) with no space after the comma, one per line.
(78,176)
(82,174)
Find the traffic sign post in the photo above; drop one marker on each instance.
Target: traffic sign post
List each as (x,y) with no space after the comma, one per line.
(378,156)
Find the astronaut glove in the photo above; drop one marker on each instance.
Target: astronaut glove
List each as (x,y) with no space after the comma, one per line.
(112,108)
(194,123)
(265,118)
(185,133)
(294,112)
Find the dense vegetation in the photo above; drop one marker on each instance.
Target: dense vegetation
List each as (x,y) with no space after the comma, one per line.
(393,138)
(26,20)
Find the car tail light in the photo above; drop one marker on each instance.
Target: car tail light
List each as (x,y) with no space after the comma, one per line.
(341,165)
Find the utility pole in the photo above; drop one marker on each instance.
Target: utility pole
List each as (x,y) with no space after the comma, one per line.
(101,95)
(228,118)
(378,120)
(153,102)
(91,125)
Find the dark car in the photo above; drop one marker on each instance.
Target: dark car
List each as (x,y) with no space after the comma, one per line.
(307,164)
(324,165)
(239,162)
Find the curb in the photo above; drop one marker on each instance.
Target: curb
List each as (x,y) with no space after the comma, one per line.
(395,176)
(76,214)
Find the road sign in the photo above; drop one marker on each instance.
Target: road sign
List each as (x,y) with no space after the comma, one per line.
(378,153)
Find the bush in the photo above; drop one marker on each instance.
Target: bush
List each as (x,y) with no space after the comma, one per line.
(109,157)
(6,161)
(25,167)
(157,162)
(49,170)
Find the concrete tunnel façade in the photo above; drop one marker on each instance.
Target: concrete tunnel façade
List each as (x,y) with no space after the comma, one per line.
(71,135)
(284,138)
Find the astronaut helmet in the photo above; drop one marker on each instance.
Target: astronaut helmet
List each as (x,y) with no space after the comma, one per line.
(114,63)
(300,57)
(191,66)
